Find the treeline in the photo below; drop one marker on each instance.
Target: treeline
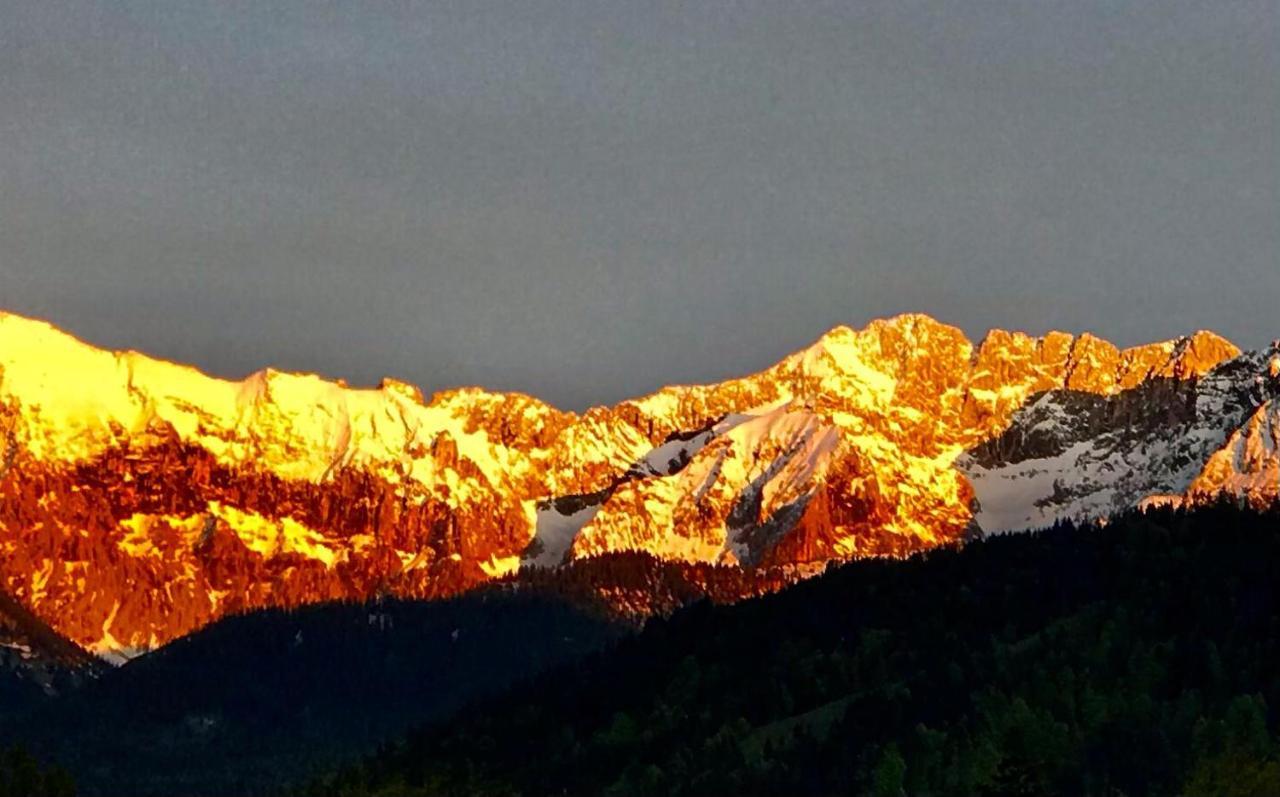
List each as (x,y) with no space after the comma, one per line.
(1140,657)
(634,585)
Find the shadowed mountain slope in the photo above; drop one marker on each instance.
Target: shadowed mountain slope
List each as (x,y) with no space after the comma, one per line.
(256,701)
(1140,657)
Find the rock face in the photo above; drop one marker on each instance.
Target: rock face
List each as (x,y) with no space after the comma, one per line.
(1248,465)
(140,499)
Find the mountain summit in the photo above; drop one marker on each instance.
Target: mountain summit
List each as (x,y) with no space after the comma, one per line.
(140,499)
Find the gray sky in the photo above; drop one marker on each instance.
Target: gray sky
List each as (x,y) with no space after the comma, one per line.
(587,200)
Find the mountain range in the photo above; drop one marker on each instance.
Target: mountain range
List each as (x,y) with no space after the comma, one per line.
(141,499)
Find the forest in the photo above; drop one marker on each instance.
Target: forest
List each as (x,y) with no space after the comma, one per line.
(1133,657)
(256,702)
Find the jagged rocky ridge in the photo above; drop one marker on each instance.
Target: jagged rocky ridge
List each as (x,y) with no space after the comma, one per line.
(140,499)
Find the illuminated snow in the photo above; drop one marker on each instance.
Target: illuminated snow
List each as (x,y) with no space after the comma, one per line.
(555,533)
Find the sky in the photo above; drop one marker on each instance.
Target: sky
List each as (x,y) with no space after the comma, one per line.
(587,200)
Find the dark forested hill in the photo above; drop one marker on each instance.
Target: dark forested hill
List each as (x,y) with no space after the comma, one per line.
(260,700)
(1137,658)
(35,662)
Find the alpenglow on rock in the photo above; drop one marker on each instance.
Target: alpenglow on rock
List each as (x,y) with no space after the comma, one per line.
(140,499)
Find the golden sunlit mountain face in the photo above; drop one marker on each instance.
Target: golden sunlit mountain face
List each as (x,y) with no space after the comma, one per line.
(141,499)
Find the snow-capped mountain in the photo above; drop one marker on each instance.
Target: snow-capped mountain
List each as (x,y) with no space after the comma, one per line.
(140,499)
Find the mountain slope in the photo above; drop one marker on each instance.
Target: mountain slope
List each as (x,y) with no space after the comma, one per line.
(1137,658)
(141,499)
(1069,454)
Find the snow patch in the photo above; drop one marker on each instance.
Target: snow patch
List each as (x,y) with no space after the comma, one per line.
(555,533)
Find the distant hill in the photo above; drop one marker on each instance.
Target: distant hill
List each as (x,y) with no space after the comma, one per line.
(1137,657)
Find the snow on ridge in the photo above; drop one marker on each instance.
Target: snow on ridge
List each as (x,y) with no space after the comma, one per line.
(1226,445)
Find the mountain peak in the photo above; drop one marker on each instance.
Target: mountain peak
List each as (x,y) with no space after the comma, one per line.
(1199,352)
